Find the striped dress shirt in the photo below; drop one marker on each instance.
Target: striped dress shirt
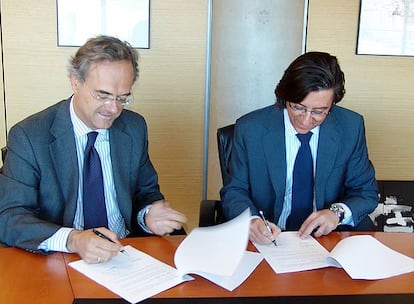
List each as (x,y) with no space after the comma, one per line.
(292,147)
(116,223)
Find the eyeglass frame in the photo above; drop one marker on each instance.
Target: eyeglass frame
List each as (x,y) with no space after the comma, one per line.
(109,98)
(299,109)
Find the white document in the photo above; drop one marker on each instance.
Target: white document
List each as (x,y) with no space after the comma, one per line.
(361,256)
(364,257)
(294,254)
(134,277)
(218,253)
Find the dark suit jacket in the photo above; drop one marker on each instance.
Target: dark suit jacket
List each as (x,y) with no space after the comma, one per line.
(39,182)
(258,165)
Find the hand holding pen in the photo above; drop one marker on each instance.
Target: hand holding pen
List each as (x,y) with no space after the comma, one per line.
(103,236)
(267,227)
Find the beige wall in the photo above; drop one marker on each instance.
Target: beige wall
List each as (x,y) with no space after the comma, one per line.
(379,87)
(169,92)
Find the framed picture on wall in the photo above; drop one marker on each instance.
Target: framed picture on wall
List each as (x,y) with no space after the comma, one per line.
(78,20)
(386,27)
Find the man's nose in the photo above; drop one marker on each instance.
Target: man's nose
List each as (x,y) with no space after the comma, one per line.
(307,116)
(113,106)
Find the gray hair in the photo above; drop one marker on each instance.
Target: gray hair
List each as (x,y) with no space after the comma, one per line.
(98,49)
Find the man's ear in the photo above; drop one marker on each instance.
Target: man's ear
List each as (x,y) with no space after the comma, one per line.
(75,83)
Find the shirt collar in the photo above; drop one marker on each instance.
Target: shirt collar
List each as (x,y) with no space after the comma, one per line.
(290,129)
(80,128)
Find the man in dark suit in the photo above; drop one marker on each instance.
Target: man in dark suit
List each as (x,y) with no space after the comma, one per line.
(42,185)
(342,186)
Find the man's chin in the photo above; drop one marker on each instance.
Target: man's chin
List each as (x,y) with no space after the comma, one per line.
(104,124)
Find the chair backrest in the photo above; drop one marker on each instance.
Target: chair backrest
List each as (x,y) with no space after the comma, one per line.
(225,144)
(3,153)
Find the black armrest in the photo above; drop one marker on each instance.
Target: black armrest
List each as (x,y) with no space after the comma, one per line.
(211,213)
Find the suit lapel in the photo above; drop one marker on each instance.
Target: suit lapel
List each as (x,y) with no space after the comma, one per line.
(275,153)
(63,153)
(329,135)
(273,144)
(121,149)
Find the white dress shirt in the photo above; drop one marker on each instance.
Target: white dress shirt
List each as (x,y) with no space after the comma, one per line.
(116,223)
(292,147)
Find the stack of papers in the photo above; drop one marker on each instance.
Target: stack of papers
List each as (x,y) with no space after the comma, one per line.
(217,253)
(361,256)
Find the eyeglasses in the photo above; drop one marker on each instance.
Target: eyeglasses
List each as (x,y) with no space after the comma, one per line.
(315,113)
(106,98)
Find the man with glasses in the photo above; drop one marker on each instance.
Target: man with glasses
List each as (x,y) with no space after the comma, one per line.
(77,176)
(317,185)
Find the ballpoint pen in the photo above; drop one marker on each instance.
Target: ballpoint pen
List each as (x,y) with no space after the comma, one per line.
(101,235)
(267,225)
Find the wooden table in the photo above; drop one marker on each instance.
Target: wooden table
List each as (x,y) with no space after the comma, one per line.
(27,277)
(325,285)
(33,278)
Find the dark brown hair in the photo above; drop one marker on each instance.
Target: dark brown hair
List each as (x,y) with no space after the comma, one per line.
(312,71)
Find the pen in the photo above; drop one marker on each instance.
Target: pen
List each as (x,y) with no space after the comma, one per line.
(101,235)
(267,225)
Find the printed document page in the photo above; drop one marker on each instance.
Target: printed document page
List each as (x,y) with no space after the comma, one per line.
(294,254)
(217,253)
(134,277)
(361,256)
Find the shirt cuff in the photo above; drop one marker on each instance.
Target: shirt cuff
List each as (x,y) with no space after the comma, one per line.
(141,219)
(57,242)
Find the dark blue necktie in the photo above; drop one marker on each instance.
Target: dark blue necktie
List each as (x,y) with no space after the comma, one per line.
(94,209)
(302,187)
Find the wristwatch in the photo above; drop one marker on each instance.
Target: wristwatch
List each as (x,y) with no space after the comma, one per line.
(339,211)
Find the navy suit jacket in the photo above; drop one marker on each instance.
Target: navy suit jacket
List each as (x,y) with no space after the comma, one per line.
(258,165)
(39,180)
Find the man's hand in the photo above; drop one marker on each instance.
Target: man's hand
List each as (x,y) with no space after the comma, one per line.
(92,248)
(320,222)
(162,219)
(259,233)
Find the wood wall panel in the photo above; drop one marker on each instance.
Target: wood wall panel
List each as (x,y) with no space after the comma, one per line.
(378,87)
(170,94)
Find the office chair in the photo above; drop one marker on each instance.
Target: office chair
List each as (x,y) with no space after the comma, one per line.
(3,157)
(211,211)
(3,153)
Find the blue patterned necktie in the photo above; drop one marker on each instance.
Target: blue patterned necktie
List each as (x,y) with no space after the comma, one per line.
(94,209)
(302,187)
